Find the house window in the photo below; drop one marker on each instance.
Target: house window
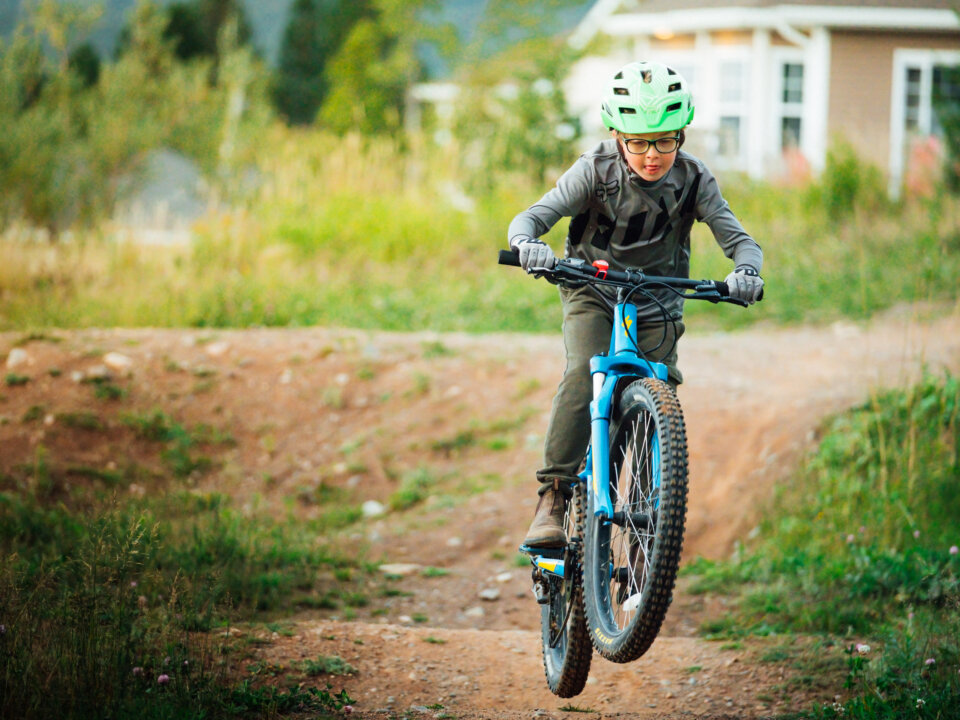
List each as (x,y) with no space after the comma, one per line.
(791,99)
(946,89)
(912,100)
(733,109)
(925,86)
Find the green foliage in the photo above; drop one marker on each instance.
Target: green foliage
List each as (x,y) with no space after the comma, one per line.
(413,489)
(314,34)
(327,665)
(512,115)
(863,543)
(76,132)
(849,185)
(370,72)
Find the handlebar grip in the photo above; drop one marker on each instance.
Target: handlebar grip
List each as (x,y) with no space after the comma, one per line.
(722,288)
(509,257)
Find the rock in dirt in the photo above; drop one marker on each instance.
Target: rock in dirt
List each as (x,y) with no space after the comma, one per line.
(118,362)
(17,358)
(490,594)
(372,508)
(400,569)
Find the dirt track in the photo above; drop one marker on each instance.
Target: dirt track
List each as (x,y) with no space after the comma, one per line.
(357,410)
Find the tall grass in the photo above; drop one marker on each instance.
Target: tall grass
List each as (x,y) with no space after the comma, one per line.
(370,232)
(863,544)
(119,610)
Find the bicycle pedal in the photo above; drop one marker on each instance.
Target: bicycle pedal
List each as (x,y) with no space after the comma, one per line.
(549,553)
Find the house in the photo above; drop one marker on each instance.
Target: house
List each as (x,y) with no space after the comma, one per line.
(777,82)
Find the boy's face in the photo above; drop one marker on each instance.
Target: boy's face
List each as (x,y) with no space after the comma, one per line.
(652,164)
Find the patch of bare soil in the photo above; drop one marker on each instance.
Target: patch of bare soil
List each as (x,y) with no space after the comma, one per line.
(313,409)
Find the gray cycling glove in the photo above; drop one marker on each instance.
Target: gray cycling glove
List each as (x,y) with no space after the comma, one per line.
(534,254)
(745,284)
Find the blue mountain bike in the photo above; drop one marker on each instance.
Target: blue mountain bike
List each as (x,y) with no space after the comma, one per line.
(609,589)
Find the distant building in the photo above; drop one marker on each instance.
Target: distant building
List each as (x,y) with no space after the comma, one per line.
(774,82)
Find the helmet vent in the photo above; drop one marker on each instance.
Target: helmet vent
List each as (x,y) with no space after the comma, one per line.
(673,87)
(647,76)
(671,71)
(630,111)
(673,106)
(618,76)
(621,91)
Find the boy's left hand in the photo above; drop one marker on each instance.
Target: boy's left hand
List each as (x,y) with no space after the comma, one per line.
(745,284)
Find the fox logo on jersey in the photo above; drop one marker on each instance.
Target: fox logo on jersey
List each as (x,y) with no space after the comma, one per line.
(605,190)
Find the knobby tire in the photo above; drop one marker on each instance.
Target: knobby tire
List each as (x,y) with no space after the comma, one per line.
(629,570)
(566,659)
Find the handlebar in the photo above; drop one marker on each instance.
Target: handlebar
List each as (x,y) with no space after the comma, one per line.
(573,271)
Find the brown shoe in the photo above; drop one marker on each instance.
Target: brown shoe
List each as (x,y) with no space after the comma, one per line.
(546,530)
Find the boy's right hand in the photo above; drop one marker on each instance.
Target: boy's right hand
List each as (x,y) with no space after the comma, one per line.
(534,254)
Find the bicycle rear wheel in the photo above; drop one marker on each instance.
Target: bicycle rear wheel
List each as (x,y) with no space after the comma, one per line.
(630,564)
(566,646)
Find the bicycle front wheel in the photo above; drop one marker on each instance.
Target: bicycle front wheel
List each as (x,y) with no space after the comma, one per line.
(630,561)
(566,646)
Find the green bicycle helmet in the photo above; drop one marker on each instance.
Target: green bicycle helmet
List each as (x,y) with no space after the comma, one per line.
(646,97)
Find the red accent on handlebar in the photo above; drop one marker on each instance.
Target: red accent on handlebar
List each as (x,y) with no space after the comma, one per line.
(602,266)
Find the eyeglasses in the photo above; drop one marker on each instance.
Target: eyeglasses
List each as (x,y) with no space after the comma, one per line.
(638,146)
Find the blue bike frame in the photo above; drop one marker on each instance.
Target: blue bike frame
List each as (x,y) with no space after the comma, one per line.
(622,360)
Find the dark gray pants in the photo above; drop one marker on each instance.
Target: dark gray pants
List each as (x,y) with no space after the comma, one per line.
(587,322)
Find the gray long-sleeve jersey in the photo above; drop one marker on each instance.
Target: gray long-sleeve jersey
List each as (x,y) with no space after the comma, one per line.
(618,218)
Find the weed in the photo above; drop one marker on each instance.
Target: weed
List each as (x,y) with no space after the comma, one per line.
(36,337)
(435,349)
(413,489)
(13,379)
(81,420)
(576,709)
(419,618)
(34,413)
(104,390)
(434,640)
(327,665)
(55,372)
(461,441)
(431,572)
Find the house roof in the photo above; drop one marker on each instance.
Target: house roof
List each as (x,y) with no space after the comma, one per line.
(651,6)
(641,17)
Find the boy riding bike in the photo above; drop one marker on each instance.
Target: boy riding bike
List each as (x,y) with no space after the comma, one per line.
(632,200)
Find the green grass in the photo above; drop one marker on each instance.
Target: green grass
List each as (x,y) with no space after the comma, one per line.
(861,548)
(317,247)
(100,597)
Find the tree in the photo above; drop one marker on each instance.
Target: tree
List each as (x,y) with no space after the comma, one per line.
(371,72)
(85,63)
(313,35)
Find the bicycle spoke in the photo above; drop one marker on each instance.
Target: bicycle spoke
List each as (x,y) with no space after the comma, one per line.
(630,546)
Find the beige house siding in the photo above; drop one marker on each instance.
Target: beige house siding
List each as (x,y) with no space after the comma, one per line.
(861,85)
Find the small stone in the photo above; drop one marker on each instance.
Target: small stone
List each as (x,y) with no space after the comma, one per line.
(342,379)
(454,541)
(286,377)
(16,358)
(372,508)
(475,612)
(99,372)
(401,569)
(490,594)
(49,419)
(504,577)
(77,376)
(217,349)
(118,362)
